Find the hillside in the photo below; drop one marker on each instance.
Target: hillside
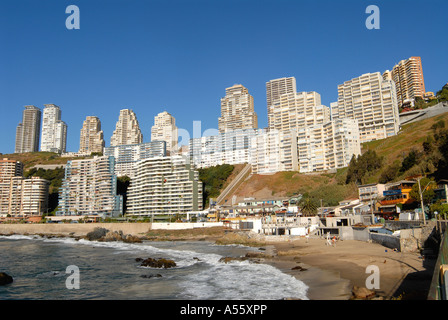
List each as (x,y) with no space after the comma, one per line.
(332,187)
(33,158)
(287,184)
(412,138)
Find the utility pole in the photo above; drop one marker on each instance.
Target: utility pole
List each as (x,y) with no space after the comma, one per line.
(421,200)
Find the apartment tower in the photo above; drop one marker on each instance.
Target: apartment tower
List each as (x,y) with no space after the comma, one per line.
(237,110)
(372,101)
(292,111)
(91,138)
(54,130)
(127,155)
(28,131)
(127,130)
(90,187)
(273,151)
(164,185)
(19,195)
(232,147)
(409,81)
(328,146)
(275,88)
(164,129)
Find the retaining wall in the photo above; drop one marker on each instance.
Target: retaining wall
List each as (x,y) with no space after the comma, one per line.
(81,229)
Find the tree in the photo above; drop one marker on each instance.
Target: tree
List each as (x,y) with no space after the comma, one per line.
(428,145)
(440,208)
(213,180)
(409,161)
(362,166)
(308,206)
(390,173)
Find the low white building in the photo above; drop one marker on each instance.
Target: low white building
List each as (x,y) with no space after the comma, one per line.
(371,192)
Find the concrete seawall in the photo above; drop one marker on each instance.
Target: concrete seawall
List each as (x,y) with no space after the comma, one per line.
(81,229)
(75,229)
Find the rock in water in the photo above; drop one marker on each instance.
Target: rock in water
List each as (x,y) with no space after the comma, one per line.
(151,276)
(5,279)
(158,263)
(129,238)
(113,236)
(230,259)
(96,234)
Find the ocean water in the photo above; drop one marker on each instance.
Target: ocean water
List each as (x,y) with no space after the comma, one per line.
(108,270)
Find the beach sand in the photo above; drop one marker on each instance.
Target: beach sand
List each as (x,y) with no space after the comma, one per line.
(332,271)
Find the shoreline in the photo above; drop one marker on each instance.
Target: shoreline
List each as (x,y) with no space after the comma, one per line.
(330,272)
(335,270)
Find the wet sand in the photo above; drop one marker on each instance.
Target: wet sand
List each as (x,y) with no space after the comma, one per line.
(332,271)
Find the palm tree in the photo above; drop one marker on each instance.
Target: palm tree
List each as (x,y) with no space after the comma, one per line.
(309,207)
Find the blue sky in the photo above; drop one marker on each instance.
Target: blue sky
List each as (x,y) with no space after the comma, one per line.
(181,55)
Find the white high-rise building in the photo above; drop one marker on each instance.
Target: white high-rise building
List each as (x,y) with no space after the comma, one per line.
(127,129)
(90,187)
(328,146)
(373,102)
(237,110)
(127,155)
(28,131)
(273,151)
(91,137)
(232,147)
(292,111)
(54,130)
(19,195)
(275,88)
(164,129)
(409,81)
(34,197)
(164,185)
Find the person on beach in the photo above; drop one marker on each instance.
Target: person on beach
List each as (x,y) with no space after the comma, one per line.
(328,239)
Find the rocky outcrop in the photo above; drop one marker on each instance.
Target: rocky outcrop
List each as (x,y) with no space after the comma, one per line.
(156,263)
(96,234)
(298,268)
(259,255)
(5,279)
(362,293)
(129,238)
(102,234)
(230,259)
